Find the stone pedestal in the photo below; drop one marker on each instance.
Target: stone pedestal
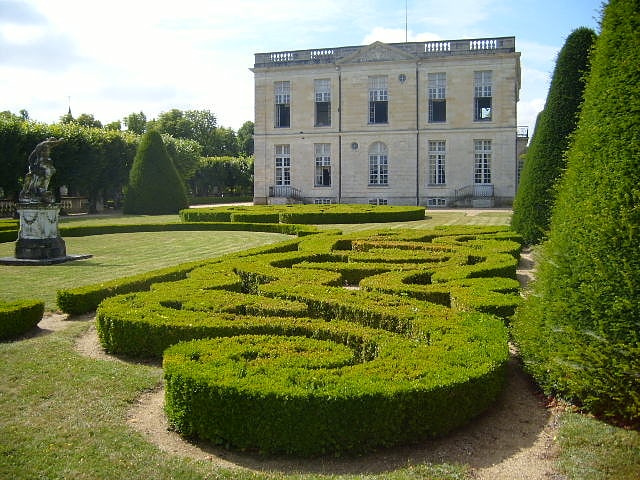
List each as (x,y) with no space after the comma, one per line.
(38,238)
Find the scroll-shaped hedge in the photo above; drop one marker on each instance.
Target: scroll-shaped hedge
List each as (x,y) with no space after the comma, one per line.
(278,355)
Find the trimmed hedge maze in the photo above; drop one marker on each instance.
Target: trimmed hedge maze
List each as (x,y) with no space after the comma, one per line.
(332,343)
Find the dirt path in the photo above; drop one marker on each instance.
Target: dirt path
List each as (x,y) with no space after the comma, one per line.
(513,440)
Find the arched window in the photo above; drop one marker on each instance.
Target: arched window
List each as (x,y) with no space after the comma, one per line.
(378,164)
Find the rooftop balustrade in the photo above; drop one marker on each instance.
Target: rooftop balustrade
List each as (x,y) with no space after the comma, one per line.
(420,50)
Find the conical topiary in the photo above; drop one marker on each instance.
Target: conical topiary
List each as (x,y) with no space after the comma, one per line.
(545,157)
(155,187)
(579,328)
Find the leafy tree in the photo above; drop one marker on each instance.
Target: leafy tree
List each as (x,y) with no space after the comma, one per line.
(220,175)
(87,120)
(136,122)
(115,125)
(545,157)
(154,184)
(185,155)
(67,118)
(223,143)
(578,330)
(245,139)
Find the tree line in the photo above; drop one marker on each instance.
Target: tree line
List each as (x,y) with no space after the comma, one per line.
(95,160)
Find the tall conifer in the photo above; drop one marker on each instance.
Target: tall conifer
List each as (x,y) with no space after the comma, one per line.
(545,156)
(579,329)
(155,187)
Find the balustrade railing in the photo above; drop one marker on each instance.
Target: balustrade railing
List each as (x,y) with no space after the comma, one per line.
(285,191)
(474,46)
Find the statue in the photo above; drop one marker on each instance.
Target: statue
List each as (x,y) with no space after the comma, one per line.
(40,170)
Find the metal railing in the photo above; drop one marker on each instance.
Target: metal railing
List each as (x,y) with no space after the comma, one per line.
(478,190)
(285,191)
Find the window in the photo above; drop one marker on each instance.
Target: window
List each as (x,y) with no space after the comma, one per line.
(436,202)
(378,99)
(437,88)
(323,102)
(378,201)
(482,96)
(322,201)
(323,165)
(283,104)
(283,165)
(378,165)
(437,162)
(482,167)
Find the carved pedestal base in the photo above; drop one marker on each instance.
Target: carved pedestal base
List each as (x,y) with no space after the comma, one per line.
(38,238)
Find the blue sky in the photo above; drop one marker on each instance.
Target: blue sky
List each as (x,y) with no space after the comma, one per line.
(112,58)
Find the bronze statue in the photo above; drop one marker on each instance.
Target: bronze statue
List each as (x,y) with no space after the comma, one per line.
(40,170)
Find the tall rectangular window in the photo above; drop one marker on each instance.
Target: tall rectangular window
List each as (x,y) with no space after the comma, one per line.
(437,88)
(482,165)
(437,162)
(323,102)
(482,88)
(323,165)
(378,165)
(378,99)
(282,94)
(283,165)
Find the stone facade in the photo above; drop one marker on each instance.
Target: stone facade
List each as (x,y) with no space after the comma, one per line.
(423,123)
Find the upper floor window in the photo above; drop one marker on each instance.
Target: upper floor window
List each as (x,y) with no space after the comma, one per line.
(323,102)
(378,164)
(482,165)
(437,162)
(283,165)
(323,165)
(282,94)
(482,87)
(378,99)
(437,88)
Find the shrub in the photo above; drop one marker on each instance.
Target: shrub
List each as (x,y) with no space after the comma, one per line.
(18,318)
(545,157)
(584,305)
(306,214)
(330,369)
(154,184)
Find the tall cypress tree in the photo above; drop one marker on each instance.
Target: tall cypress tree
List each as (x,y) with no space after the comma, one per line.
(545,156)
(579,329)
(155,187)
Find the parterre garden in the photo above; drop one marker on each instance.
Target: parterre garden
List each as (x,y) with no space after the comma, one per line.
(326,343)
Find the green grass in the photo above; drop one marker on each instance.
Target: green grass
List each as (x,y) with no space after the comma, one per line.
(63,415)
(119,255)
(593,450)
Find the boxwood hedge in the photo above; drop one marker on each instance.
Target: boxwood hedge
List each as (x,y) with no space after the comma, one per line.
(306,214)
(329,343)
(17,318)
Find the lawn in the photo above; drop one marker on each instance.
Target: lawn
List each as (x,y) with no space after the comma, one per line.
(64,415)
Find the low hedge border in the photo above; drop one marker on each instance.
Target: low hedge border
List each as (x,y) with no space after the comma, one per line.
(11,233)
(79,300)
(306,214)
(430,366)
(18,318)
